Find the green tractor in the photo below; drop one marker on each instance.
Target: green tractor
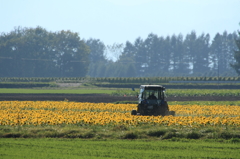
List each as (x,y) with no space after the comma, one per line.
(152,101)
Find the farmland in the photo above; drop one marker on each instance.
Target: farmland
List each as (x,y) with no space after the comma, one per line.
(22,114)
(81,123)
(64,129)
(98,95)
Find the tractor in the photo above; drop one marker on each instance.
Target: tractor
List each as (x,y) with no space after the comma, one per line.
(152,101)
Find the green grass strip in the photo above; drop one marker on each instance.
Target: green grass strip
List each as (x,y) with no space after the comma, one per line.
(203,92)
(187,92)
(60,91)
(77,148)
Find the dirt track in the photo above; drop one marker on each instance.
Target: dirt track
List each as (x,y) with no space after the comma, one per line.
(99,98)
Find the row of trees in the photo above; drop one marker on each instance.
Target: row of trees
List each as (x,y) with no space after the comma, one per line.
(36,52)
(171,56)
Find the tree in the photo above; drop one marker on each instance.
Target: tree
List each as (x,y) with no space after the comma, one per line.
(96,50)
(221,52)
(127,61)
(128,54)
(96,57)
(236,65)
(71,54)
(153,55)
(190,49)
(26,52)
(140,57)
(37,54)
(201,56)
(178,56)
(165,50)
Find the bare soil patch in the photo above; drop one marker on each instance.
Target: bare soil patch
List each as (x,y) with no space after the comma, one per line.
(69,84)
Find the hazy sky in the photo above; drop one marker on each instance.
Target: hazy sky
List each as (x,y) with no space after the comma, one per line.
(118,21)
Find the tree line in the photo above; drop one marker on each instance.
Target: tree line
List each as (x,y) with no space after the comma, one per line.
(172,56)
(36,52)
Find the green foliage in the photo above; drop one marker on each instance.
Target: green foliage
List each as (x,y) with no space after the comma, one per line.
(36,52)
(175,56)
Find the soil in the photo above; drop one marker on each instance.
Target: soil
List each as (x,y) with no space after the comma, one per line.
(71,85)
(99,98)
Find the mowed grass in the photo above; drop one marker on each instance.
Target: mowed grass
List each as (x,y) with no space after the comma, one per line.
(78,148)
(53,91)
(121,92)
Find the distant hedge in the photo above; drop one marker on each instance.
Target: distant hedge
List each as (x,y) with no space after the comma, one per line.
(24,85)
(117,80)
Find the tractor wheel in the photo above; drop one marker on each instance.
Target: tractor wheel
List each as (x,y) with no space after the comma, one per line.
(141,110)
(164,109)
(165,112)
(134,112)
(171,113)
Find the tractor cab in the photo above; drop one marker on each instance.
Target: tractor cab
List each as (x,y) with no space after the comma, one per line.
(151,93)
(151,101)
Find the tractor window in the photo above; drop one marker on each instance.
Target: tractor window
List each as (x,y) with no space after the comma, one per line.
(152,94)
(144,95)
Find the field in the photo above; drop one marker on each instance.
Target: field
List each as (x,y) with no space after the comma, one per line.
(112,95)
(128,92)
(78,148)
(64,127)
(64,119)
(21,113)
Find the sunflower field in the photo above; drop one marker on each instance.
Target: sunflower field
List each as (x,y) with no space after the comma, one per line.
(35,113)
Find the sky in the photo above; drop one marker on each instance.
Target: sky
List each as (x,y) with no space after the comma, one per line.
(118,21)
